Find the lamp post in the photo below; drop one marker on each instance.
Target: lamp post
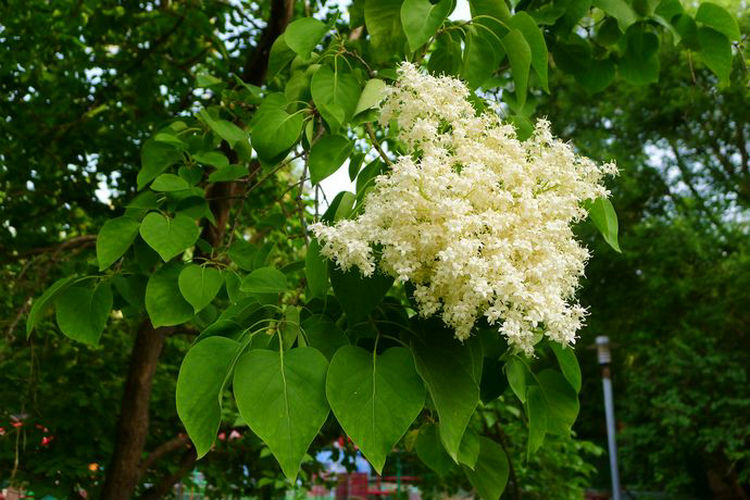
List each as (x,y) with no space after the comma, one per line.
(605,357)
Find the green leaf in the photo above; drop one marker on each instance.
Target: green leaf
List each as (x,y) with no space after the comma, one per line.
(224,129)
(164,302)
(374,397)
(566,358)
(323,334)
(304,34)
(421,19)
(228,173)
(468,453)
(43,303)
(383,21)
(132,288)
(274,131)
(603,215)
(495,9)
(431,452)
(717,53)
(597,75)
(481,56)
(446,56)
(156,157)
(114,239)
(243,254)
(358,295)
(82,312)
(686,31)
(536,410)
(290,327)
(281,396)
(199,387)
(491,472)
(620,10)
(561,399)
(336,94)
(212,158)
(169,237)
(371,95)
(264,280)
(199,285)
(340,208)
(535,39)
(640,63)
(169,182)
(316,270)
(280,56)
(447,367)
(515,371)
(716,17)
(327,155)
(519,54)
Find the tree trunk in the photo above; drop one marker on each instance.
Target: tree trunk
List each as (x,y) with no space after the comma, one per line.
(123,472)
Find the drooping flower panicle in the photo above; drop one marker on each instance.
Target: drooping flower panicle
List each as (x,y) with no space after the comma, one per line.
(479,221)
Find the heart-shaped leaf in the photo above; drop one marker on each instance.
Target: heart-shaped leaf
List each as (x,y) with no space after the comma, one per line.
(265,280)
(431,452)
(164,302)
(169,237)
(374,397)
(304,34)
(199,386)
(82,312)
(422,18)
(199,285)
(357,294)
(169,182)
(113,240)
(335,94)
(490,476)
(43,303)
(448,368)
(155,158)
(281,396)
(327,155)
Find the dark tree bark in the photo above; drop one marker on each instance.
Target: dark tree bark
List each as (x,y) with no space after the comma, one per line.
(125,468)
(132,428)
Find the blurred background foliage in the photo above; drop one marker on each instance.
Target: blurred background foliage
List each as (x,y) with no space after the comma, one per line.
(91,80)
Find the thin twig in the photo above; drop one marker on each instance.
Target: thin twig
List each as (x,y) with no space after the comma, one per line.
(376,144)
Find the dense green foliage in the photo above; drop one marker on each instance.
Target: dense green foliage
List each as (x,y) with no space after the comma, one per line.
(214,173)
(674,301)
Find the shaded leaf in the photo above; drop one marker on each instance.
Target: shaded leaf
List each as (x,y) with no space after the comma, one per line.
(82,312)
(164,302)
(199,386)
(114,239)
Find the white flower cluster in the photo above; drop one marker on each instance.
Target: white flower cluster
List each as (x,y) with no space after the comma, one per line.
(477,220)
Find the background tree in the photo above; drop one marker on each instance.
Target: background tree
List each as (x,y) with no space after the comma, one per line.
(672,302)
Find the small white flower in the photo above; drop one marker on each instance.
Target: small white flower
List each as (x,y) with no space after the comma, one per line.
(477,220)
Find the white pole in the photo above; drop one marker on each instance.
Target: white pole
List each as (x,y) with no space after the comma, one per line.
(604,356)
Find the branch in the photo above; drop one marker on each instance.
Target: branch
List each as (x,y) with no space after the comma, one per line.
(163,449)
(687,177)
(376,144)
(257,60)
(165,485)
